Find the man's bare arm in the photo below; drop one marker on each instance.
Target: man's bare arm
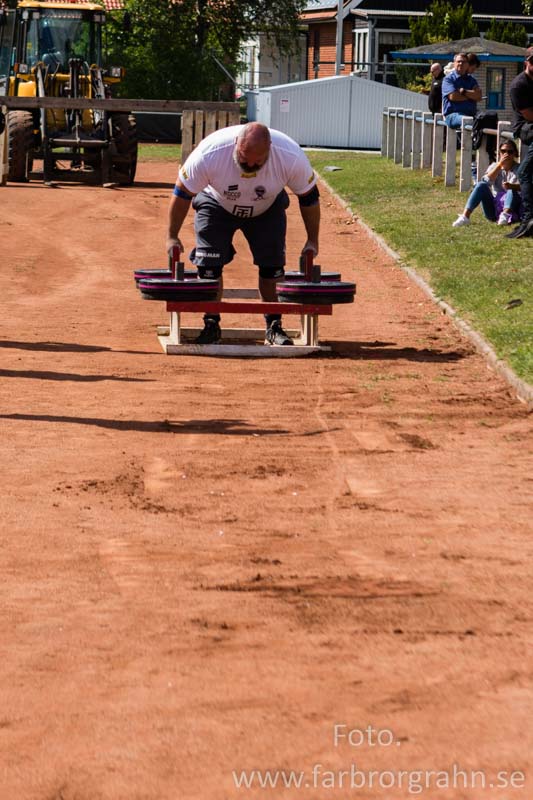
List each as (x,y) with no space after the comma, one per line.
(179,208)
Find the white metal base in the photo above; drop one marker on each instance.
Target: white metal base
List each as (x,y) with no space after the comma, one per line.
(240,350)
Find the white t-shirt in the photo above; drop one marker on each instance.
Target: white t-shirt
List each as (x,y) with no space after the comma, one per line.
(211,168)
(502,177)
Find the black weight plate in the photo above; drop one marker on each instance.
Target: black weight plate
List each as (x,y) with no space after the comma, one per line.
(294,277)
(326,293)
(179,291)
(140,274)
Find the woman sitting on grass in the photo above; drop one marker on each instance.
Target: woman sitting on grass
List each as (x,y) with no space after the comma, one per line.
(498,191)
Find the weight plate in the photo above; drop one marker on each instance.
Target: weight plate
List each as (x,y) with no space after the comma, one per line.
(326,293)
(161,273)
(300,276)
(179,291)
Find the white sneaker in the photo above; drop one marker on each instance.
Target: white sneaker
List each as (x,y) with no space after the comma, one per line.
(460,221)
(504,218)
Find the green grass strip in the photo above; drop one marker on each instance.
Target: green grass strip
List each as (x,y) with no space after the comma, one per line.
(475,268)
(160,152)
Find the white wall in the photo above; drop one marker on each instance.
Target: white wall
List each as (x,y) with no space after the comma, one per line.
(344,111)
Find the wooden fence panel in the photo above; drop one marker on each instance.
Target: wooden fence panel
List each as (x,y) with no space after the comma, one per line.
(187,134)
(198,124)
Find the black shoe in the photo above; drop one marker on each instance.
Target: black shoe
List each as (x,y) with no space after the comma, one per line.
(211,333)
(276,335)
(524,229)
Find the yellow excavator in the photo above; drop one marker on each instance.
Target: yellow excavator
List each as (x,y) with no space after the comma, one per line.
(54,50)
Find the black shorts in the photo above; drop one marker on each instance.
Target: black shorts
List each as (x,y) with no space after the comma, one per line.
(215,227)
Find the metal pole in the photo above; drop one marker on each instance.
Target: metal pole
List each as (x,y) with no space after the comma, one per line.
(340,27)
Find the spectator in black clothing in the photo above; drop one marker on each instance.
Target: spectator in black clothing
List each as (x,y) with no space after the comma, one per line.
(435,93)
(522,101)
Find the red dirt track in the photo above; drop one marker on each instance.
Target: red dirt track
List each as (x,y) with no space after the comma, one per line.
(210,563)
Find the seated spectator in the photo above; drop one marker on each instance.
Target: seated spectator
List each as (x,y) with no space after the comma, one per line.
(460,93)
(498,191)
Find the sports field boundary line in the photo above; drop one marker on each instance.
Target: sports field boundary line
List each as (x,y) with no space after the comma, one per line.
(523,390)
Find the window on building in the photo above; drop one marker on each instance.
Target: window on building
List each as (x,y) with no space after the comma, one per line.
(495,87)
(361,50)
(390,40)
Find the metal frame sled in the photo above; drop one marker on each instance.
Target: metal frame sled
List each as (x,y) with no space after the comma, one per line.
(243,342)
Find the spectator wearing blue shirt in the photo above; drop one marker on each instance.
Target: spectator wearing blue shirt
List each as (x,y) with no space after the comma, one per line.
(460,93)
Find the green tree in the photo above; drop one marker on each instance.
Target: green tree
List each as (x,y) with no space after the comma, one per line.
(443,22)
(174,50)
(507,32)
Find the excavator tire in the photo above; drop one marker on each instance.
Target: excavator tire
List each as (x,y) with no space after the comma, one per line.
(125,137)
(20,145)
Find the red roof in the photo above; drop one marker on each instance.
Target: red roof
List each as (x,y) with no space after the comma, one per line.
(110,5)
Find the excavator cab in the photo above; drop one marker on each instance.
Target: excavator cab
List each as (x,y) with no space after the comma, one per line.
(51,49)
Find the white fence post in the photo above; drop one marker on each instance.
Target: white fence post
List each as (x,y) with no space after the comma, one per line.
(465,170)
(451,157)
(503,127)
(482,158)
(416,140)
(407,137)
(438,140)
(391,123)
(427,139)
(398,135)
(384,131)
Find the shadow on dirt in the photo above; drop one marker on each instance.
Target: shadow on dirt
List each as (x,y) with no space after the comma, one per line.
(150,185)
(385,351)
(40,375)
(55,347)
(227,427)
(71,347)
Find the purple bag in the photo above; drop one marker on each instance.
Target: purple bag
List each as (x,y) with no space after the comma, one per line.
(499,203)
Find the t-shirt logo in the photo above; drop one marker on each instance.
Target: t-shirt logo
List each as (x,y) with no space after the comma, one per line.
(259,193)
(243,211)
(232,192)
(183,174)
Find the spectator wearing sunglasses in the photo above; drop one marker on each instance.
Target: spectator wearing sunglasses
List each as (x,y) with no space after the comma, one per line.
(498,192)
(460,93)
(522,101)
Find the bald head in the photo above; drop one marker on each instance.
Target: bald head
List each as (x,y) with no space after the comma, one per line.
(435,69)
(252,147)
